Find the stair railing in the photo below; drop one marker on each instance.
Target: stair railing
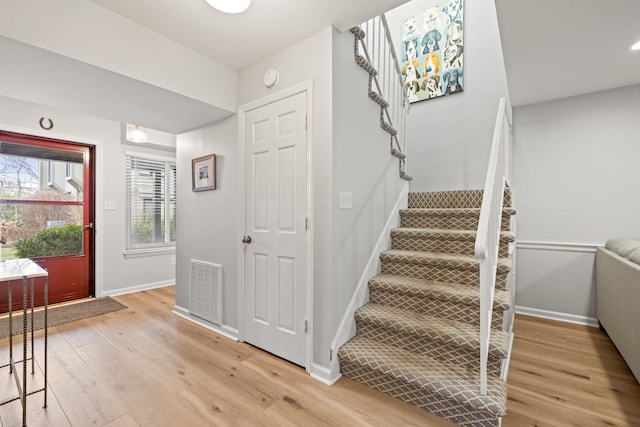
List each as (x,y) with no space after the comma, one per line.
(488,237)
(386,87)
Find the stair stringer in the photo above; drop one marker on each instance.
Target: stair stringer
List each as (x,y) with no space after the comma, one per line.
(347,327)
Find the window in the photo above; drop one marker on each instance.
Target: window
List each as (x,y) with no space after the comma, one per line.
(151,201)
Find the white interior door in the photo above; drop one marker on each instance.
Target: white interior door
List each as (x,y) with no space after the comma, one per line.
(275,200)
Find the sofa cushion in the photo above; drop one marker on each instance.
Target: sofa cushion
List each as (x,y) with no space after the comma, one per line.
(622,246)
(635,256)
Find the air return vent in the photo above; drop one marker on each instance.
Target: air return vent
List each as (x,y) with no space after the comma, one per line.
(206,285)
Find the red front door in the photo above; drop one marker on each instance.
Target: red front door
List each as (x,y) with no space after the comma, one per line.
(46,214)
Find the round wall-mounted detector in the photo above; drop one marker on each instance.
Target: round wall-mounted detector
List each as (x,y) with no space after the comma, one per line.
(271,77)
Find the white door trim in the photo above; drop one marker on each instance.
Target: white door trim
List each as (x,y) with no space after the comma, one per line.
(307,87)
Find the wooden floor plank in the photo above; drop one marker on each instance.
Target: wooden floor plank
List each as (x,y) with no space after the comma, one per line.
(72,380)
(583,382)
(220,405)
(11,413)
(148,354)
(145,401)
(144,366)
(124,421)
(80,333)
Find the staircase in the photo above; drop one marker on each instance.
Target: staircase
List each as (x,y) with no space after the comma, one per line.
(418,337)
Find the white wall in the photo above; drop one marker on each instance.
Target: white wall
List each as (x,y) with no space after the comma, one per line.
(576,178)
(450,136)
(114,273)
(43,77)
(363,166)
(215,235)
(208,222)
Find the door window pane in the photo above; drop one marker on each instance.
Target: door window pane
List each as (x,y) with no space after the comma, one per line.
(40,230)
(42,191)
(40,173)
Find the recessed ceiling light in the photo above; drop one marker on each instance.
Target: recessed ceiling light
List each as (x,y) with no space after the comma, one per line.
(636,46)
(230,6)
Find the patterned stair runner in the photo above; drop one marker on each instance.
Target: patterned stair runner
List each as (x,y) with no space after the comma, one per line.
(445,300)
(418,336)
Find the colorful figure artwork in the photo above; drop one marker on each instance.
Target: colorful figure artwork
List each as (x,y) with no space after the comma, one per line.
(432,52)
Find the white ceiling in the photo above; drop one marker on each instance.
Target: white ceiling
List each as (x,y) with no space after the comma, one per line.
(240,39)
(559,48)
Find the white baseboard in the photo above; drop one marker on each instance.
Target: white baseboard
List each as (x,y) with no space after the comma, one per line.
(223,330)
(324,375)
(554,315)
(138,288)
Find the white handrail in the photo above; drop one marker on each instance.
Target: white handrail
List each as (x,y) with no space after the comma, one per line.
(488,237)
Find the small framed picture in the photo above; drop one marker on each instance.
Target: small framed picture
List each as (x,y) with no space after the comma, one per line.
(203,173)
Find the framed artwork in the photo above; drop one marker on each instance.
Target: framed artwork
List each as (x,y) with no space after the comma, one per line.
(203,173)
(431,52)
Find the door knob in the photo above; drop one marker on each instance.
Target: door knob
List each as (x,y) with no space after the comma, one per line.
(246,239)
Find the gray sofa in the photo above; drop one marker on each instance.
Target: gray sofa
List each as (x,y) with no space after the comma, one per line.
(618,297)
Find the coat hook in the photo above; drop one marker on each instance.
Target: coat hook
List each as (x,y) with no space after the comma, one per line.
(49,127)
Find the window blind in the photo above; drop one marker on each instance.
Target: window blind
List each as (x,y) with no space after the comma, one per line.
(151,202)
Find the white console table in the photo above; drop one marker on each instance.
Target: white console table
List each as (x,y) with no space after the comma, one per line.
(24,270)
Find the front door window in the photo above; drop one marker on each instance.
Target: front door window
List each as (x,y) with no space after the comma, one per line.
(42,210)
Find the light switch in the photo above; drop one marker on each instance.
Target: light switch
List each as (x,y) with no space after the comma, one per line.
(346,200)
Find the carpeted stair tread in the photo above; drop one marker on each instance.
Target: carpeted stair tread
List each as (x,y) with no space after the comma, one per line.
(451,199)
(452,292)
(440,211)
(450,218)
(461,334)
(415,237)
(467,262)
(435,377)
(443,233)
(450,211)
(446,199)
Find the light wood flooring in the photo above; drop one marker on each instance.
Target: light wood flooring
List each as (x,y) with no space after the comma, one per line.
(144,366)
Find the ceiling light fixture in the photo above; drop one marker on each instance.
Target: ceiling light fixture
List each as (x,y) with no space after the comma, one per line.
(636,46)
(137,134)
(230,6)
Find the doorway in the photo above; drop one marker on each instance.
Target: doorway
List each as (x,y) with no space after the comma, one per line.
(276,236)
(47,213)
